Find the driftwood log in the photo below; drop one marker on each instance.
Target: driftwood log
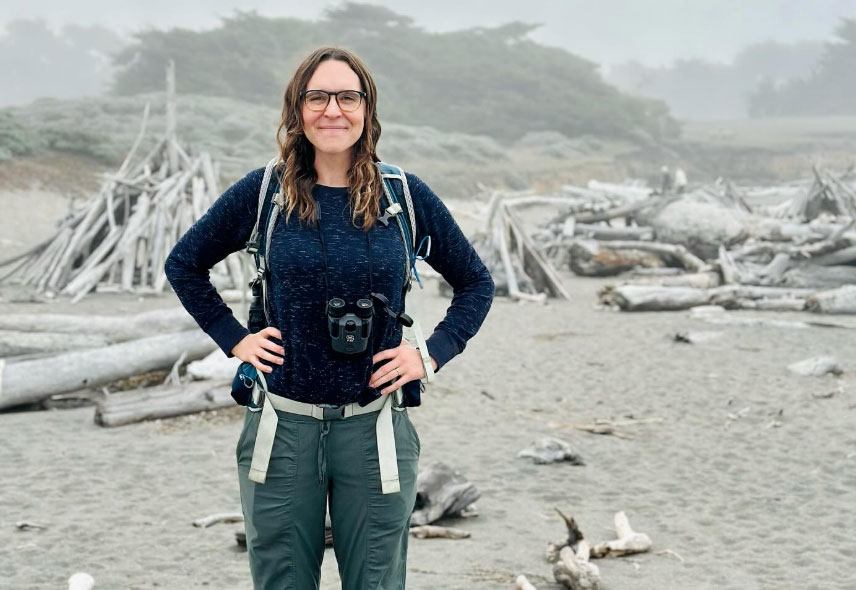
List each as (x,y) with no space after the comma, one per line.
(126,407)
(441,492)
(841,300)
(429,531)
(15,343)
(33,380)
(551,450)
(26,334)
(628,541)
(658,298)
(574,570)
(116,328)
(212,519)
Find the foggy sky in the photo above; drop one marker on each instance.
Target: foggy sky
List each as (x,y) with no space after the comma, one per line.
(654,32)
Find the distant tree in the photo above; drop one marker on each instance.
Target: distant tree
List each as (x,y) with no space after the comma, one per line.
(492,81)
(38,62)
(699,89)
(828,90)
(366,16)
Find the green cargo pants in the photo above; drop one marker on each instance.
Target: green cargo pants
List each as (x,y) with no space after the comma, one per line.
(284,517)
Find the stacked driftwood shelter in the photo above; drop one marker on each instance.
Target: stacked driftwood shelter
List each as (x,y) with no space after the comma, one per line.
(118,241)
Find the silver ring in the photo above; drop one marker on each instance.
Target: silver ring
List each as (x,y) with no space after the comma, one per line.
(397,374)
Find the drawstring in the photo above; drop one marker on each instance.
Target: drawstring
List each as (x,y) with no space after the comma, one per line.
(322,452)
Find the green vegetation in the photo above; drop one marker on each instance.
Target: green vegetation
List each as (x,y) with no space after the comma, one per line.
(829,90)
(480,81)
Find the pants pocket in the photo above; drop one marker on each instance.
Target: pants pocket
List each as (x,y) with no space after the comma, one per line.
(412,429)
(250,423)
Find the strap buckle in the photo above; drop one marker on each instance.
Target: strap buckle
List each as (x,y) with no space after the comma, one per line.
(333,412)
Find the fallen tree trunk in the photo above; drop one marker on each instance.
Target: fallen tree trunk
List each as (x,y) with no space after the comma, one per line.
(819,278)
(696,280)
(607,233)
(657,298)
(115,328)
(590,258)
(16,343)
(28,381)
(841,300)
(127,407)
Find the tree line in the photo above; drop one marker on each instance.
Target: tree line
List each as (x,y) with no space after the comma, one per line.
(492,81)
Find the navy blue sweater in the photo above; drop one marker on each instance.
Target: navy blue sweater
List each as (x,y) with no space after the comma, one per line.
(312,371)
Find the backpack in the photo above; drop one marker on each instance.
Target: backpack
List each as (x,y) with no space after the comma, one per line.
(399,205)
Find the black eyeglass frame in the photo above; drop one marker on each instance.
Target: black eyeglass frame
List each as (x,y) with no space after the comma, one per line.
(361,94)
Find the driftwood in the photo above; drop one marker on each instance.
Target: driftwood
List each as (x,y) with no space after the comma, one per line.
(428,531)
(519,268)
(574,570)
(126,407)
(24,334)
(715,233)
(29,381)
(521,583)
(696,280)
(116,328)
(214,366)
(571,556)
(226,517)
(14,343)
(441,492)
(657,298)
(595,259)
(607,233)
(628,541)
(816,367)
(551,450)
(119,240)
(606,427)
(841,300)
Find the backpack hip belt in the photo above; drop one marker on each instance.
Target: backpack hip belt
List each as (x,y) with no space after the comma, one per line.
(268,403)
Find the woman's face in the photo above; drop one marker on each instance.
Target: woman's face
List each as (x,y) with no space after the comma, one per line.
(333,131)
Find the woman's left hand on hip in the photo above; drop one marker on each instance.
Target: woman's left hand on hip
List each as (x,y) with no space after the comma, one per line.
(404,365)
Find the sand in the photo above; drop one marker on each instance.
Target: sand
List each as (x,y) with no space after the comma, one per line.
(749,478)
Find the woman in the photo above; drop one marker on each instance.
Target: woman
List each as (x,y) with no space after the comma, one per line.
(329,407)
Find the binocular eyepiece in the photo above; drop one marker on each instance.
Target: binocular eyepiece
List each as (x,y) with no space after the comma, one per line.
(350,331)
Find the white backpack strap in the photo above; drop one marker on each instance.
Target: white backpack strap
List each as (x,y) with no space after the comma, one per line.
(407,199)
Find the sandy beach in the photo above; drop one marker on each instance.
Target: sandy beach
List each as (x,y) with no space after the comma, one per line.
(760,500)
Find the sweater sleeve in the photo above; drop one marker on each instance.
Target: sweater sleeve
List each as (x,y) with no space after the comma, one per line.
(223,229)
(456,260)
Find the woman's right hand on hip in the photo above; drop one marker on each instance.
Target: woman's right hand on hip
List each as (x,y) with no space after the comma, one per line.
(254,348)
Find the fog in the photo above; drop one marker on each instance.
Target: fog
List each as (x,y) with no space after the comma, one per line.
(655,33)
(704,58)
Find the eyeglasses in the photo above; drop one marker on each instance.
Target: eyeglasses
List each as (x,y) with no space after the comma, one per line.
(348,100)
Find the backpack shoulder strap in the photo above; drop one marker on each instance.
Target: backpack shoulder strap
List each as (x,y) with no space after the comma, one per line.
(390,171)
(407,225)
(263,209)
(260,237)
(399,194)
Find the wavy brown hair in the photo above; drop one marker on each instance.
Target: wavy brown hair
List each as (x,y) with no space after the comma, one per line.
(297,155)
